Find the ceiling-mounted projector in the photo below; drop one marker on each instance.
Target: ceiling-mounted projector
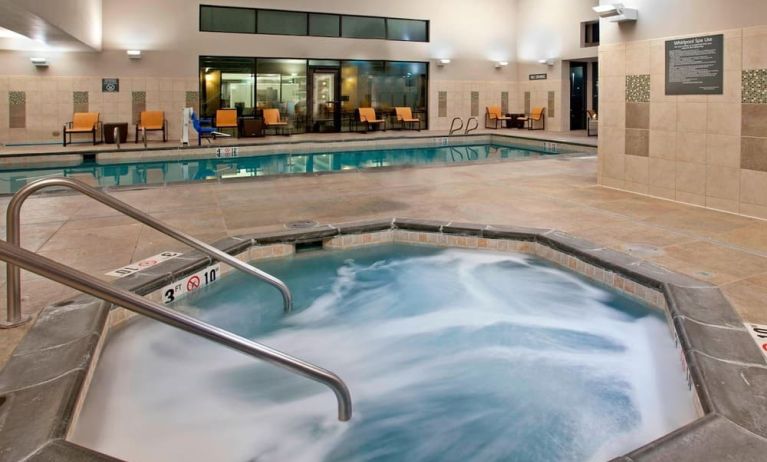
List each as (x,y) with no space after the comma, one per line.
(616,12)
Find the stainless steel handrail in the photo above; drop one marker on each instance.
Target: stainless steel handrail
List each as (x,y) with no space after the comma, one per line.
(13,223)
(455,130)
(116,134)
(78,280)
(476,125)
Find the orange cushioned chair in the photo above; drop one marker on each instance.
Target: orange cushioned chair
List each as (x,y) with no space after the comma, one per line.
(226,118)
(273,120)
(536,116)
(82,122)
(405,117)
(368,117)
(152,121)
(494,115)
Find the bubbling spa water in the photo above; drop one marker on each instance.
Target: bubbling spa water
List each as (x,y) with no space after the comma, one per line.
(451,355)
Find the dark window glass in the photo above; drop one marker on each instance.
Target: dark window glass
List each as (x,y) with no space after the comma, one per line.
(590,34)
(281,22)
(216,19)
(406,29)
(227,83)
(363,27)
(324,25)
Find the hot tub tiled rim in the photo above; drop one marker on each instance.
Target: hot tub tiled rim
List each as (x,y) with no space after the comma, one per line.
(718,350)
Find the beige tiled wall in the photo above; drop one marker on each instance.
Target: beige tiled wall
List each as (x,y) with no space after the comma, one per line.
(459,99)
(704,150)
(50,103)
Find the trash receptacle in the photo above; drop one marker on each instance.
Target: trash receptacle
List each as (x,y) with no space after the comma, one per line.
(109,132)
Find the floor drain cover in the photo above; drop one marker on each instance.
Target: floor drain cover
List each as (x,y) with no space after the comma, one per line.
(300,224)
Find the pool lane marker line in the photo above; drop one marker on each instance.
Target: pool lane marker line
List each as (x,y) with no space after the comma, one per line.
(759,334)
(191,283)
(143,264)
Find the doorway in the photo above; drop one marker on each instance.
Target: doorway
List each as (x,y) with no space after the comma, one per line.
(578,95)
(324,109)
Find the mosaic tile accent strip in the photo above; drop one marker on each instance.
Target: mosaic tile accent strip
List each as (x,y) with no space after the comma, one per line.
(505,102)
(551,105)
(17,109)
(755,86)
(474,103)
(527,102)
(80,101)
(638,88)
(138,104)
(442,104)
(192,98)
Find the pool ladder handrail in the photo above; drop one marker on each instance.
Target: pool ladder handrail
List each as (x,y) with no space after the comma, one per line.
(13,223)
(471,129)
(30,261)
(454,129)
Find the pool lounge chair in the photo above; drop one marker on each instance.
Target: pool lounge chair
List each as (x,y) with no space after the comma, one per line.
(367,117)
(538,115)
(494,115)
(152,121)
(227,118)
(82,122)
(273,120)
(204,131)
(405,118)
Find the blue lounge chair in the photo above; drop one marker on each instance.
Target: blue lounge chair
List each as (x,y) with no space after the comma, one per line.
(207,131)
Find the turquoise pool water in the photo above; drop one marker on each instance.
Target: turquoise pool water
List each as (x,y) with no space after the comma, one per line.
(177,170)
(450,355)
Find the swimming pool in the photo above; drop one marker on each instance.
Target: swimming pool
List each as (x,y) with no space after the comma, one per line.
(451,355)
(200,169)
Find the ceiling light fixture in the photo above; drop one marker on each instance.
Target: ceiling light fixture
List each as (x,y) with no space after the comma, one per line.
(442,62)
(501,64)
(616,12)
(39,62)
(134,54)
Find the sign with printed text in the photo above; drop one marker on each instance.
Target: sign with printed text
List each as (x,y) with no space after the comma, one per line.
(189,284)
(143,264)
(759,334)
(223,153)
(538,76)
(695,65)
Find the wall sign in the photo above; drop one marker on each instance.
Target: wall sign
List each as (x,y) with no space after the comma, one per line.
(759,334)
(198,280)
(143,264)
(222,153)
(110,85)
(538,76)
(695,66)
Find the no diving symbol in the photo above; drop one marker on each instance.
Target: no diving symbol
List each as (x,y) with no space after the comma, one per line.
(147,263)
(193,283)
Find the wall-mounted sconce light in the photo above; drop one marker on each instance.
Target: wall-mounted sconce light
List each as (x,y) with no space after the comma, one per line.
(39,62)
(500,64)
(442,62)
(134,54)
(549,62)
(616,12)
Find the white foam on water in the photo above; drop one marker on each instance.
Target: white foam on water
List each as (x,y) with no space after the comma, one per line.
(422,343)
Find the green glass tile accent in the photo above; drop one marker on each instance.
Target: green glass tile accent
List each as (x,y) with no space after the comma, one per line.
(638,88)
(474,103)
(139,97)
(80,97)
(191,99)
(755,86)
(442,107)
(17,98)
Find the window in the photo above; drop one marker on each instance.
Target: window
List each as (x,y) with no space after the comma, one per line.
(324,25)
(225,19)
(281,83)
(589,34)
(281,22)
(407,29)
(226,83)
(363,27)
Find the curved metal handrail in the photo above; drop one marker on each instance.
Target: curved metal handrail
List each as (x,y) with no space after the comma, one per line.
(476,125)
(13,223)
(18,257)
(452,123)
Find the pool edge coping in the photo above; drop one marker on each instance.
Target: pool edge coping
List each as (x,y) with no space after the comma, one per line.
(718,350)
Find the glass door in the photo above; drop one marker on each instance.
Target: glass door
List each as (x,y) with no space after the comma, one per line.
(324,100)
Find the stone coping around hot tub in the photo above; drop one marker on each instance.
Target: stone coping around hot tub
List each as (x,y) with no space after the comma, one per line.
(47,374)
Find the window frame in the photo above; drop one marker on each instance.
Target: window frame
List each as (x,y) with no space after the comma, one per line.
(255,24)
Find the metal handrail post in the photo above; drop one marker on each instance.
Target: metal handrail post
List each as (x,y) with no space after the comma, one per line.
(83,282)
(116,134)
(452,123)
(476,125)
(13,223)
